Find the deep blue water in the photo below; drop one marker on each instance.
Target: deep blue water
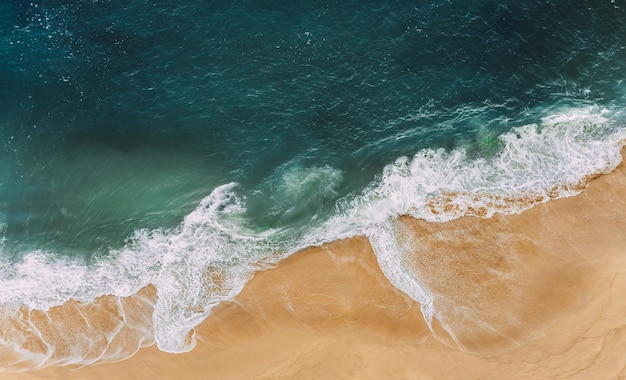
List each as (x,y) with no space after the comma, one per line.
(118,115)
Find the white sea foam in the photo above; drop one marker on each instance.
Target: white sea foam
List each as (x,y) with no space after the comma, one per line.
(391,262)
(204,262)
(194,267)
(209,257)
(535,163)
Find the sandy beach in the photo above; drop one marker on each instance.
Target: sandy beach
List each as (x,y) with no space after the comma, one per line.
(533,295)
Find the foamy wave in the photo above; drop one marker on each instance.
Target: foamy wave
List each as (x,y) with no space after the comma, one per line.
(391,262)
(536,163)
(194,267)
(210,256)
(205,261)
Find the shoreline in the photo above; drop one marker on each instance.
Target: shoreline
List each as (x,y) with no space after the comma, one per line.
(534,295)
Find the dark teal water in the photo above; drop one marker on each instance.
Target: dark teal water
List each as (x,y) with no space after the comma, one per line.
(118,118)
(119,115)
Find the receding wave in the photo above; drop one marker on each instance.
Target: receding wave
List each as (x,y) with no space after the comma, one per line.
(164,282)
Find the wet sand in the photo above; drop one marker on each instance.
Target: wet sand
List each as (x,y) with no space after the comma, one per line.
(536,295)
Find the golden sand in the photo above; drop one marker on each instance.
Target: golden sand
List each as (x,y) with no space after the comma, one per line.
(539,295)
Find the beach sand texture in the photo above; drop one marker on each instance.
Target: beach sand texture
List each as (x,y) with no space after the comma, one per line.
(533,295)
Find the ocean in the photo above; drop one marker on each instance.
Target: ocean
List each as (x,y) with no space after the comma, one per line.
(150,143)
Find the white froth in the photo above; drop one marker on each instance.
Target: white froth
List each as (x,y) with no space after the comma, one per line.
(545,161)
(210,256)
(194,267)
(392,264)
(539,162)
(203,262)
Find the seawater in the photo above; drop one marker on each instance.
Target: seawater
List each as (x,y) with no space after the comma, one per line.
(153,143)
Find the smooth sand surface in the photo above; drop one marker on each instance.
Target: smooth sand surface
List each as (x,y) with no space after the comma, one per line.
(539,295)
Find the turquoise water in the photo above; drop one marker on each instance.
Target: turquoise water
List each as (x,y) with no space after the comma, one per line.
(218,133)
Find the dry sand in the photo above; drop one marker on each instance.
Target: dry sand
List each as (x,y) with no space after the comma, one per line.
(537,295)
